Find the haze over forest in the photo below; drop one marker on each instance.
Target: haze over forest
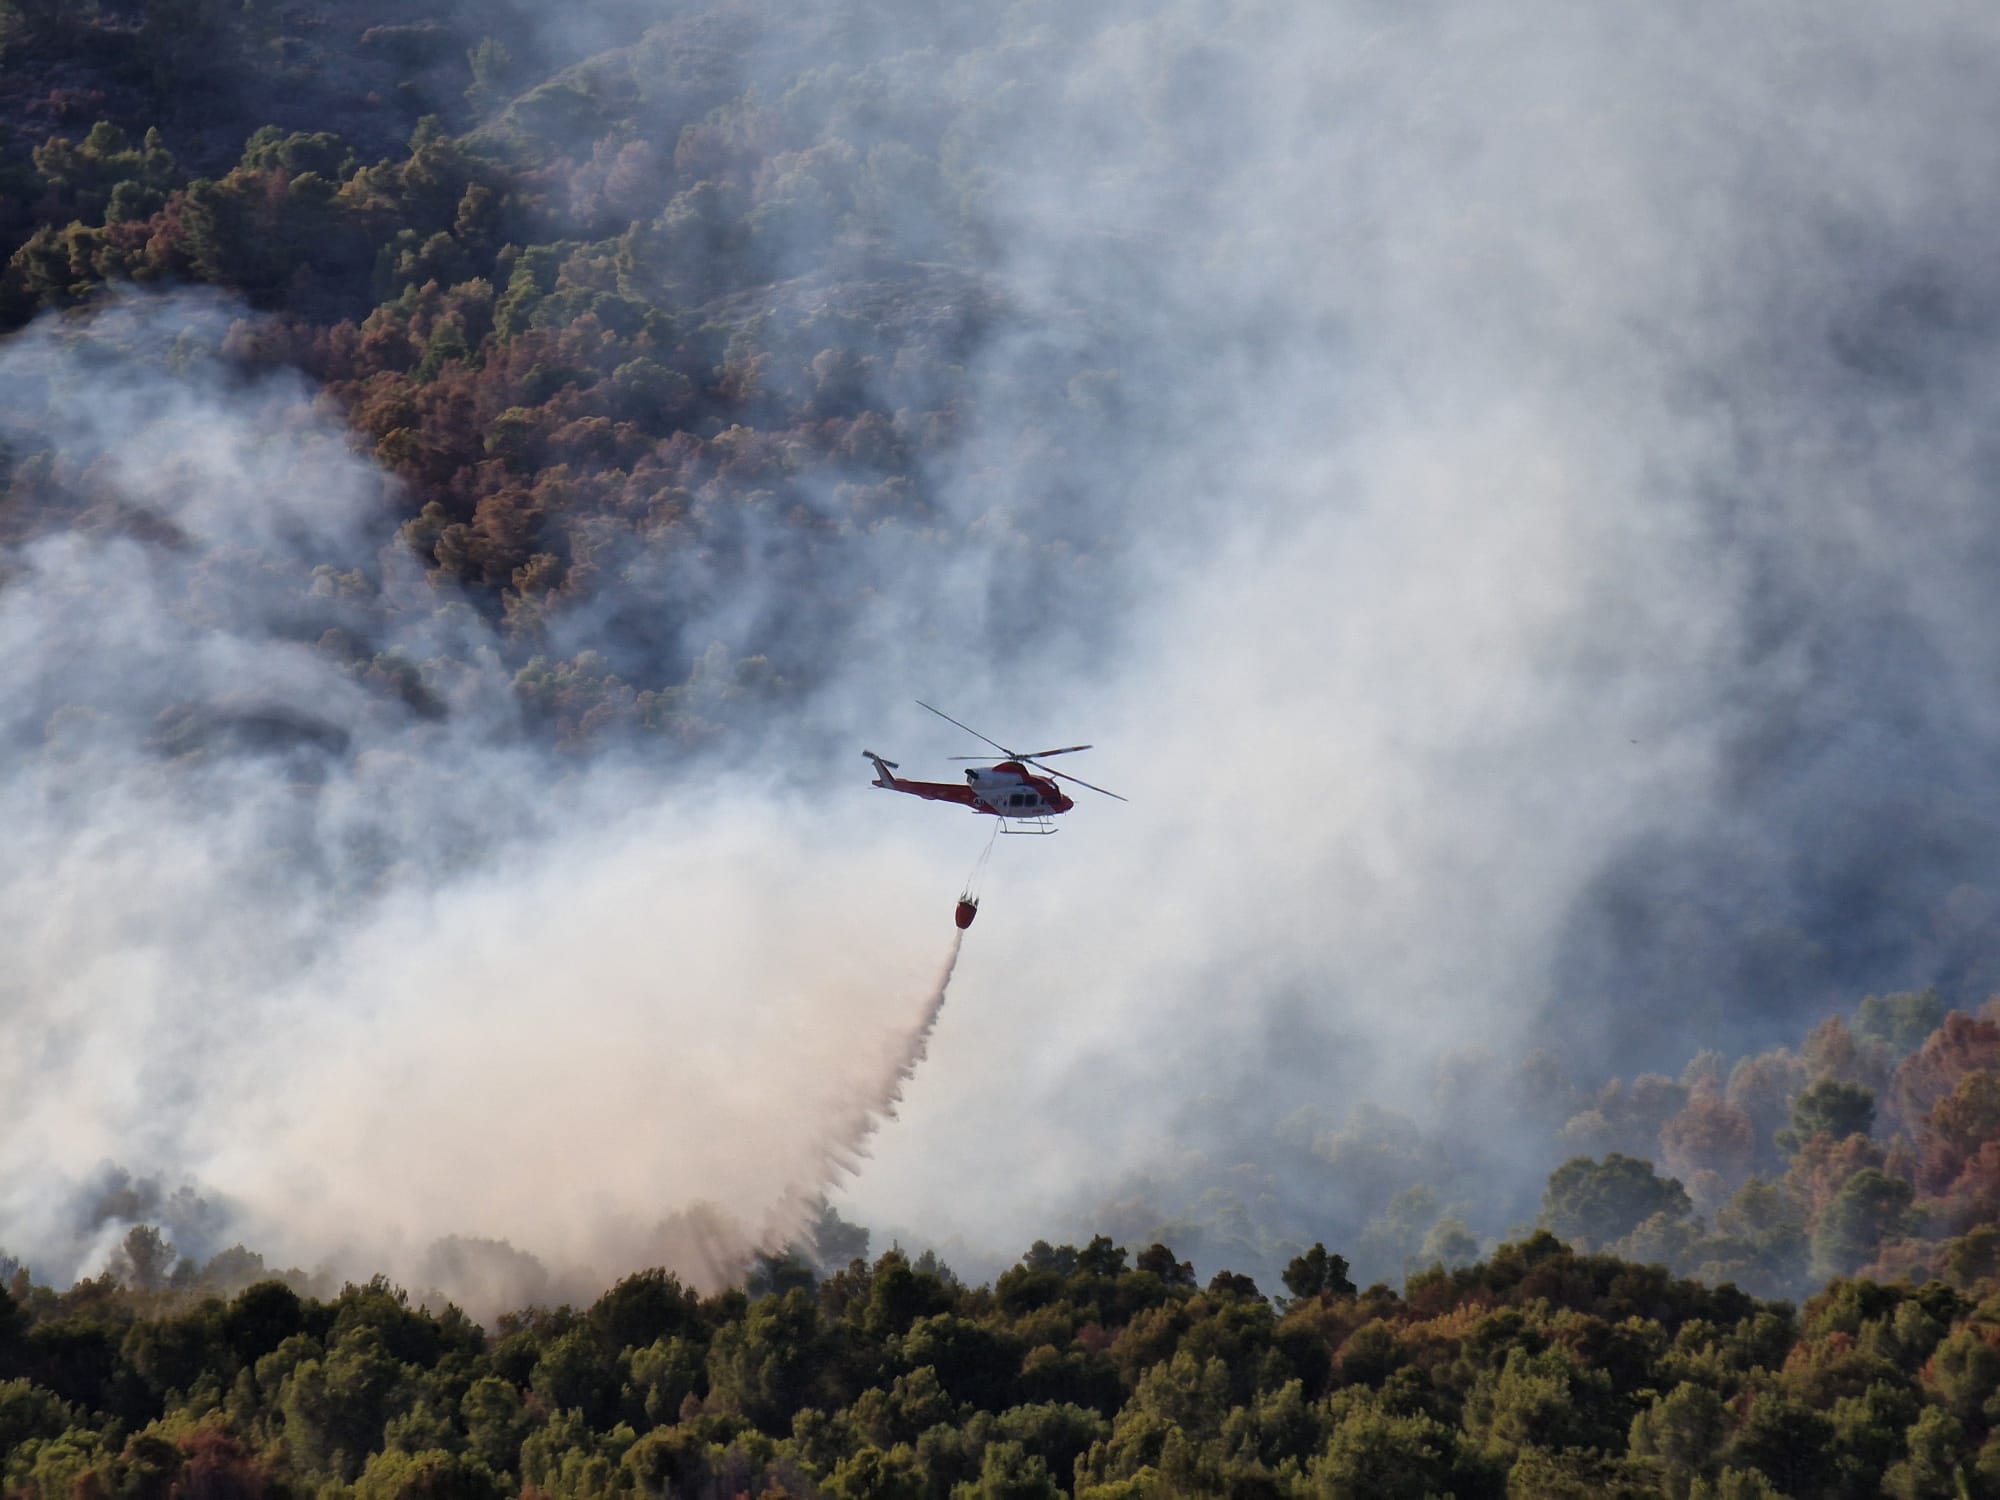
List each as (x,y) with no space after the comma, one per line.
(1507,495)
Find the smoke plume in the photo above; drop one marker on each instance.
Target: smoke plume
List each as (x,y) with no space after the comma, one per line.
(1507,494)
(301,928)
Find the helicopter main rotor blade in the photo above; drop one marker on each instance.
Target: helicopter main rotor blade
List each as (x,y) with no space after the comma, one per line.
(969,730)
(1036,756)
(1044,754)
(1065,776)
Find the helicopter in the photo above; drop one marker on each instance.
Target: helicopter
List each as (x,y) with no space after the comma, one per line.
(1009,790)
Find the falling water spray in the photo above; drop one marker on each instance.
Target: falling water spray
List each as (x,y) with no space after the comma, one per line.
(902,1051)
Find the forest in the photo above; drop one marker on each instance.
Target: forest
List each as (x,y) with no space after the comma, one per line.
(648,309)
(1539,1371)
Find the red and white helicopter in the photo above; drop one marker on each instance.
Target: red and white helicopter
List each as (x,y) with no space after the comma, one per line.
(1009,790)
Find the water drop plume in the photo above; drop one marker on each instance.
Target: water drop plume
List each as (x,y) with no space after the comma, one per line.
(903,1052)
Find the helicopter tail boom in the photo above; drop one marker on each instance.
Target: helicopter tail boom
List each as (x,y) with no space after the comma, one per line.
(930,791)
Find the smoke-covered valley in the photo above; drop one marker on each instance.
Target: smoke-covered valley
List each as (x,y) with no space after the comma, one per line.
(1506,495)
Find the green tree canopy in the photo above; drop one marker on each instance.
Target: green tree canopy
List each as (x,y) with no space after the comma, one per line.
(1597,1202)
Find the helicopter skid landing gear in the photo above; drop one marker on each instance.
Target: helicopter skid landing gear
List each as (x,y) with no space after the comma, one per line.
(1040,828)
